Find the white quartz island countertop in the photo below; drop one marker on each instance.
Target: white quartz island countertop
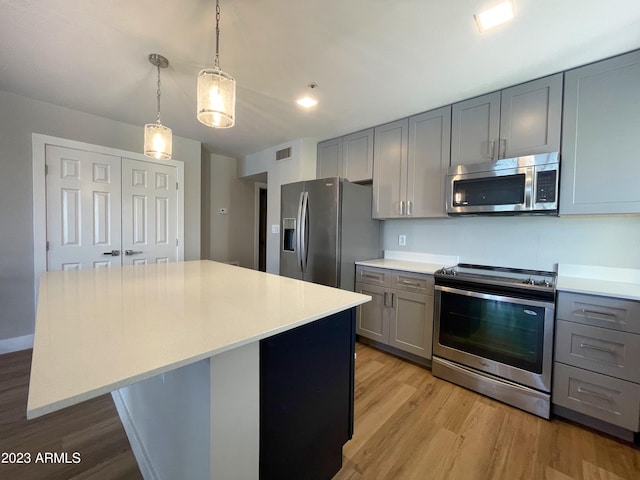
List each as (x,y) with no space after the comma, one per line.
(99,330)
(593,280)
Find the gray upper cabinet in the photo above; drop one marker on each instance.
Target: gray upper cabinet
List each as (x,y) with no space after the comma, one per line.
(350,157)
(600,159)
(410,160)
(428,159)
(390,143)
(329,162)
(520,120)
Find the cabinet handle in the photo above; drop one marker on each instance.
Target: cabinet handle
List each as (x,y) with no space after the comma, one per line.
(409,207)
(491,148)
(401,207)
(588,313)
(369,275)
(393,300)
(411,284)
(502,150)
(597,347)
(385,299)
(595,394)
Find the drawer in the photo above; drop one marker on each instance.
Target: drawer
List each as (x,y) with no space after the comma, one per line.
(602,350)
(610,399)
(599,311)
(373,276)
(412,282)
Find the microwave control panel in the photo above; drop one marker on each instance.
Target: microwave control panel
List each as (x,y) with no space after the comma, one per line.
(546,182)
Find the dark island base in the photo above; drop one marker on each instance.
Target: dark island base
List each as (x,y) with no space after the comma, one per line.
(306,399)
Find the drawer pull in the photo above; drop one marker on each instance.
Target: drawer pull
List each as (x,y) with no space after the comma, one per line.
(599,348)
(372,277)
(595,394)
(410,284)
(595,313)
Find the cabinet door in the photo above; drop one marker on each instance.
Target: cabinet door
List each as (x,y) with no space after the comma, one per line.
(390,169)
(329,158)
(428,159)
(600,160)
(411,322)
(475,128)
(357,156)
(530,117)
(371,321)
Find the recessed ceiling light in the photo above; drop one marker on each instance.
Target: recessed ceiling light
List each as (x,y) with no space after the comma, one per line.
(307,102)
(494,16)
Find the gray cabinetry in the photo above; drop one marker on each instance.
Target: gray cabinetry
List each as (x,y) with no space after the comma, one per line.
(410,160)
(400,314)
(520,120)
(600,160)
(597,358)
(350,157)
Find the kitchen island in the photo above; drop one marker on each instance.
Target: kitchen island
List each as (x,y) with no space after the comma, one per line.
(215,331)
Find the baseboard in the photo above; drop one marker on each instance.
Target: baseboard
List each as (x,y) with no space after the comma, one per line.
(15,344)
(139,450)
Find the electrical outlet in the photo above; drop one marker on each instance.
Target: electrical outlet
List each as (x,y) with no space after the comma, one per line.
(275,228)
(402,240)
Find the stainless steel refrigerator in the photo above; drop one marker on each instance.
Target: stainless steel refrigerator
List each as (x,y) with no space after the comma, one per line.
(325,227)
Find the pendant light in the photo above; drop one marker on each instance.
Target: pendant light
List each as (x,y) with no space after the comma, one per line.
(157,137)
(216,91)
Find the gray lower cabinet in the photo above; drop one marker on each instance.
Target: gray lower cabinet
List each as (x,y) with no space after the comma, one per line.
(597,358)
(521,120)
(350,157)
(600,164)
(400,314)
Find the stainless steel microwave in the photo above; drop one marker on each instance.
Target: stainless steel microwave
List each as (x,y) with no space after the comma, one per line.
(511,186)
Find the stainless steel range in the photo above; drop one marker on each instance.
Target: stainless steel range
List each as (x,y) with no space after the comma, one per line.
(493,333)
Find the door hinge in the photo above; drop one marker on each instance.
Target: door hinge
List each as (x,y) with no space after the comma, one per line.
(177,242)
(47,245)
(177,188)
(46,170)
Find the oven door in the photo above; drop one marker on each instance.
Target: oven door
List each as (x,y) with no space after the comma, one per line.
(499,191)
(506,336)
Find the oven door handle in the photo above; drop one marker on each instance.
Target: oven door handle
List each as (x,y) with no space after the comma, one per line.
(490,296)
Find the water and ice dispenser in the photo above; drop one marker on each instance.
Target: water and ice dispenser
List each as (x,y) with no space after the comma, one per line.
(289,234)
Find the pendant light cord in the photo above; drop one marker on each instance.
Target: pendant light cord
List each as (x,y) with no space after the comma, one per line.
(158,93)
(217,61)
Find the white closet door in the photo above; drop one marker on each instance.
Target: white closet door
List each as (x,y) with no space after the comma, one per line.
(150,212)
(83,209)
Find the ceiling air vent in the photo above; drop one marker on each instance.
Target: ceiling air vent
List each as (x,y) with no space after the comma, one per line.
(284,153)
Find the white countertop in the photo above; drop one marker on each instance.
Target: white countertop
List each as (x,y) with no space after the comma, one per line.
(411,262)
(592,280)
(98,330)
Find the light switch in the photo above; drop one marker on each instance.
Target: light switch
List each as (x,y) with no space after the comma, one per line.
(275,228)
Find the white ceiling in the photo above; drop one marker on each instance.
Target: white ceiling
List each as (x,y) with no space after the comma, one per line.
(373,60)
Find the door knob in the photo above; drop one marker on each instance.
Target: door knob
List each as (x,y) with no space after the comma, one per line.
(114,253)
(131,252)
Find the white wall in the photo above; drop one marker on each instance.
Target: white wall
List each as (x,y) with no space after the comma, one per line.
(227,237)
(20,117)
(523,242)
(300,166)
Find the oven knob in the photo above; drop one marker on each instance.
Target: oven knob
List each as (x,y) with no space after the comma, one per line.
(530,281)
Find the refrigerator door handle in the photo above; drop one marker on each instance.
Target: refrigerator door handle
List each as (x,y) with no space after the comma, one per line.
(304,235)
(299,231)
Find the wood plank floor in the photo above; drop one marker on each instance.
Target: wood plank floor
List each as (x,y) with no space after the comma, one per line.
(410,425)
(92,428)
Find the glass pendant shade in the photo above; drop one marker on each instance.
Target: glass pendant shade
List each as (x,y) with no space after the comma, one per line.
(216,98)
(157,141)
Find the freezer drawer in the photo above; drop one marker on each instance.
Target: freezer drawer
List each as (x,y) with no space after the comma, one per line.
(599,311)
(610,399)
(601,350)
